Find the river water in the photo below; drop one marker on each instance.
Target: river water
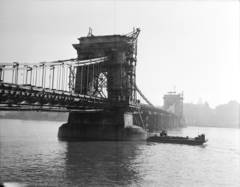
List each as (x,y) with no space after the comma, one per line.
(32,155)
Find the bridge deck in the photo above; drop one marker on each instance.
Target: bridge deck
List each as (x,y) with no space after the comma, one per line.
(13,95)
(27,97)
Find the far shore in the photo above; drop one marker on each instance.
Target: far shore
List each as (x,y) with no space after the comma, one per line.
(215,125)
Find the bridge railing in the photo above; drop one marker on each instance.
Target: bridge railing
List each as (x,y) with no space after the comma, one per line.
(56,75)
(46,85)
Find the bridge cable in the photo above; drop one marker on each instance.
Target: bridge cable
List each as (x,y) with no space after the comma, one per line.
(139,91)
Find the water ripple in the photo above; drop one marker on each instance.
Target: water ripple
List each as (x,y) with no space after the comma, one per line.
(32,155)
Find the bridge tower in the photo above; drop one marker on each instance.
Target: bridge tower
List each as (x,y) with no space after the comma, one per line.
(174,103)
(119,72)
(115,80)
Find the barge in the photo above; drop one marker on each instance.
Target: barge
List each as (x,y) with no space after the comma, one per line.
(164,138)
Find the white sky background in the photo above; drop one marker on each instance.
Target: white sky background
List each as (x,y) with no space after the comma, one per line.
(193,45)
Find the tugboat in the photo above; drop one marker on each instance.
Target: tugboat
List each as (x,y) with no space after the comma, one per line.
(164,138)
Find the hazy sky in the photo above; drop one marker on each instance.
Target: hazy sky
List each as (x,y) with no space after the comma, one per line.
(193,45)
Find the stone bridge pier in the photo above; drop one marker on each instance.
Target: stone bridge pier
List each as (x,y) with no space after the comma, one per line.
(115,125)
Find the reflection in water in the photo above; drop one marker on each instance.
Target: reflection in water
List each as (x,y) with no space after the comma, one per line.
(106,163)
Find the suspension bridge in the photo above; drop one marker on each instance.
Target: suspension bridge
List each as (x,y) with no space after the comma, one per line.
(98,89)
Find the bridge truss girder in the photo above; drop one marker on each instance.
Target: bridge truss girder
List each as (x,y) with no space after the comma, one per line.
(22,97)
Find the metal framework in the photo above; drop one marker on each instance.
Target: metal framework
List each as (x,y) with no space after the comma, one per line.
(131,60)
(91,79)
(71,83)
(47,85)
(55,75)
(23,96)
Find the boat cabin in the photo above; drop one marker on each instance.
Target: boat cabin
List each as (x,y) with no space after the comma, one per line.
(163,134)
